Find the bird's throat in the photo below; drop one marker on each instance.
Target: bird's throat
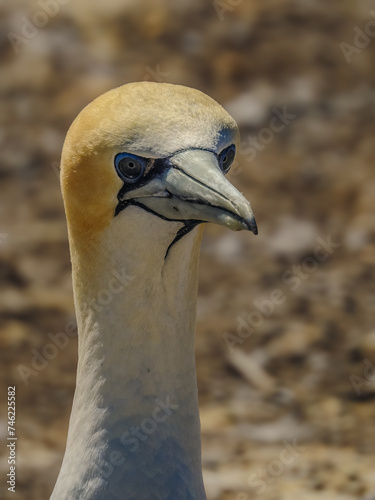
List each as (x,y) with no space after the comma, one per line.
(134,429)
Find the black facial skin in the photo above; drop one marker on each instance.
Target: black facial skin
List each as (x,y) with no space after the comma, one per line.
(159,168)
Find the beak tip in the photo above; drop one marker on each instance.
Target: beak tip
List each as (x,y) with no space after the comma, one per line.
(252,225)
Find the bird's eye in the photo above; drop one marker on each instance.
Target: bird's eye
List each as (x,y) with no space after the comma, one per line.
(130,168)
(226,158)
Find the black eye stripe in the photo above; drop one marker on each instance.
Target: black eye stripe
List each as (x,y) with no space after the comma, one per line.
(155,168)
(136,171)
(158,167)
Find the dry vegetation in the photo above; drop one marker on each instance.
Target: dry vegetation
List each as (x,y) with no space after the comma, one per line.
(305,374)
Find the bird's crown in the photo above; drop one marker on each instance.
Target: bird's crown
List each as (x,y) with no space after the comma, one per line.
(164,148)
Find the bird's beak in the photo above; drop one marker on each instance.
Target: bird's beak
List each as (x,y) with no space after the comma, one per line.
(195,188)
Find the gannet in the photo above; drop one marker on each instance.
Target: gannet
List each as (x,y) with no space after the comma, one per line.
(143,166)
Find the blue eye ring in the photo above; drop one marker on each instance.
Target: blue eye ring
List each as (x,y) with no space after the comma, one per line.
(130,168)
(226,158)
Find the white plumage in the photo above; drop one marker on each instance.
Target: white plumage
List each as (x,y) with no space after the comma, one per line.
(142,167)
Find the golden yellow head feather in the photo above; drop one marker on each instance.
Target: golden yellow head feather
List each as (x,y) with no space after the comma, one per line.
(153,120)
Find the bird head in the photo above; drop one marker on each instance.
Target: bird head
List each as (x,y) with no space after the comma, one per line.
(162,148)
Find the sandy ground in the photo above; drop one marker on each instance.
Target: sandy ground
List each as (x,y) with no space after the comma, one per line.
(287,388)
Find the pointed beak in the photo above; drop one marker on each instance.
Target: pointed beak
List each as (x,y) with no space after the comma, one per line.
(193,187)
(196,177)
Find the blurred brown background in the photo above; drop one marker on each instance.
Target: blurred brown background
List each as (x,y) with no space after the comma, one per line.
(290,412)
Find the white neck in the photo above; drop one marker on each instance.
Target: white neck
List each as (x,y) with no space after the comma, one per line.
(134,430)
